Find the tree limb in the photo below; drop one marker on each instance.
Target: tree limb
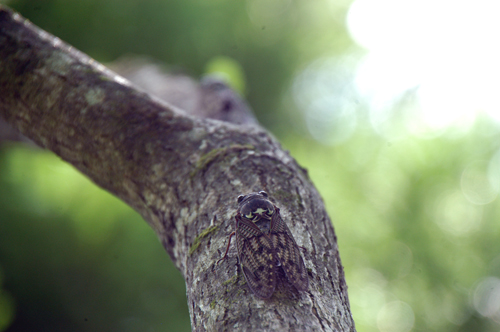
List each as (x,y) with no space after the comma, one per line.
(181,173)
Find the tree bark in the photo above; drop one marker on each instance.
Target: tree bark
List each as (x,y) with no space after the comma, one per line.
(181,173)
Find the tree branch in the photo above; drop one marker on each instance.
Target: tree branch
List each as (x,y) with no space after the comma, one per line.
(181,173)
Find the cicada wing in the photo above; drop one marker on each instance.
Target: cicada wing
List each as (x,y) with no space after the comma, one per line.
(288,253)
(257,258)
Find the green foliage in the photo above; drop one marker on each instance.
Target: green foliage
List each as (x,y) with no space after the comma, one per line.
(75,258)
(411,240)
(6,308)
(228,69)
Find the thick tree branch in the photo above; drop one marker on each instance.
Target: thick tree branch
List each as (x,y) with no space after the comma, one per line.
(181,173)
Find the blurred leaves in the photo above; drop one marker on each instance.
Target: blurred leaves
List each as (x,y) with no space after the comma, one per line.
(411,227)
(230,71)
(75,257)
(6,307)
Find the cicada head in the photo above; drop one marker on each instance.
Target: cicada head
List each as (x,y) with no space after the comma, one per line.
(256,206)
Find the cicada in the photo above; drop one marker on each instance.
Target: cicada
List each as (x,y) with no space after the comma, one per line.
(265,244)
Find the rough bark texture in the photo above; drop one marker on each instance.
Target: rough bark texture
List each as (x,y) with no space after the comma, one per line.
(181,173)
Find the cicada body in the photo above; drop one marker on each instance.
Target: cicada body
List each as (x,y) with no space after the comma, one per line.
(265,244)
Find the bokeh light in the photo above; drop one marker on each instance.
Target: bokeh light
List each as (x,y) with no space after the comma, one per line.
(486,298)
(444,49)
(395,316)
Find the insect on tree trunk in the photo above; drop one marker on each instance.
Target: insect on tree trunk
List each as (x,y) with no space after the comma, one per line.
(182,173)
(266,246)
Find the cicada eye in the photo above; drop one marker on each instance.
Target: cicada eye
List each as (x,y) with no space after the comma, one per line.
(263,193)
(240,198)
(270,212)
(249,216)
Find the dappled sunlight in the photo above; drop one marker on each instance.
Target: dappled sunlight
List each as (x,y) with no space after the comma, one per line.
(476,186)
(414,211)
(486,298)
(456,215)
(493,172)
(327,100)
(445,50)
(412,122)
(453,311)
(400,256)
(381,190)
(396,316)
(367,286)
